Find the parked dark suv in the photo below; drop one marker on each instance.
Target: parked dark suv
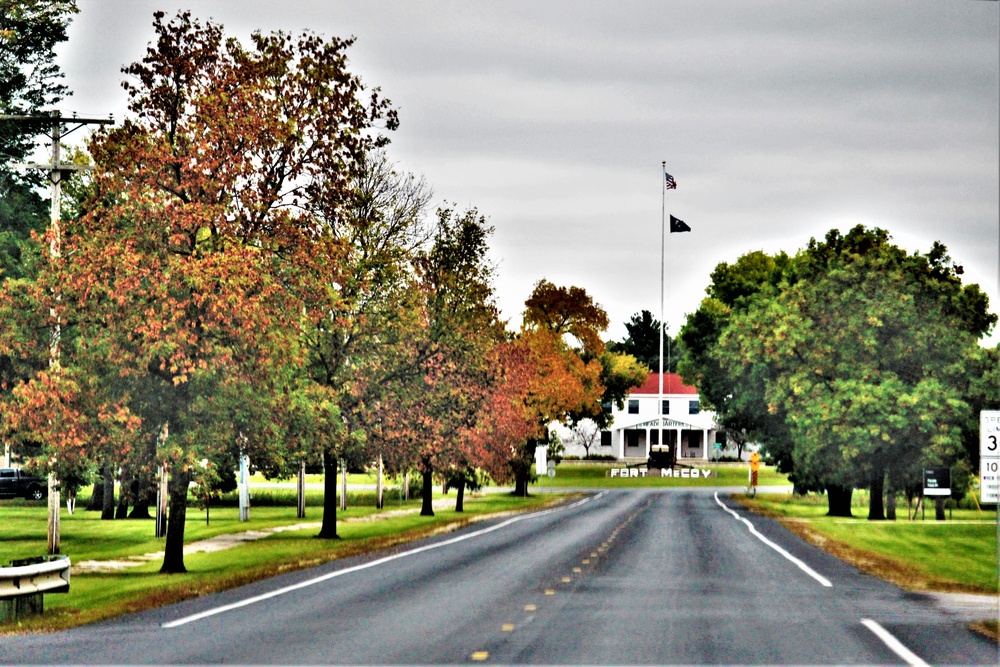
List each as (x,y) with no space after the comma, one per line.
(15,483)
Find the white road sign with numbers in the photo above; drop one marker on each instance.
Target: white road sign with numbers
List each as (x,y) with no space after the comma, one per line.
(989,455)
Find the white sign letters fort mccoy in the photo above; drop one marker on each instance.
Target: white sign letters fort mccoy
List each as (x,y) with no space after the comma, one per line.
(684,473)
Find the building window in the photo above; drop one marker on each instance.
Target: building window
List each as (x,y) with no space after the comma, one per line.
(665,408)
(692,407)
(605,438)
(633,406)
(631,438)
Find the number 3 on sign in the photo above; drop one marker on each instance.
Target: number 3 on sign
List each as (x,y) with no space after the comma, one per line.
(989,433)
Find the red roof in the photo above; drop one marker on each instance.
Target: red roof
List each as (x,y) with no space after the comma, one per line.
(671,385)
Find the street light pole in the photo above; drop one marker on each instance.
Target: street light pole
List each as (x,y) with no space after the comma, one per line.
(56,170)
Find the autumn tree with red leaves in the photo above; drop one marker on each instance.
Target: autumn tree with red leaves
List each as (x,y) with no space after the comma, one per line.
(435,390)
(561,329)
(504,422)
(200,251)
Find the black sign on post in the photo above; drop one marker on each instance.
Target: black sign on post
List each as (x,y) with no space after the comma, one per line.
(937,481)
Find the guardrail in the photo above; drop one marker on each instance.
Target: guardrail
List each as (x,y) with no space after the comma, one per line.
(23,583)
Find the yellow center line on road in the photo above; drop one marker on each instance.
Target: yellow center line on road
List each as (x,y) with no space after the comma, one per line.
(479,656)
(507,627)
(530,607)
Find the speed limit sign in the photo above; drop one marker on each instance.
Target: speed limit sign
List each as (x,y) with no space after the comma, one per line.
(989,455)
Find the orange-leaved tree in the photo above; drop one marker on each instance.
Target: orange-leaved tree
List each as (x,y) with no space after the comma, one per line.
(199,252)
(561,328)
(505,422)
(436,392)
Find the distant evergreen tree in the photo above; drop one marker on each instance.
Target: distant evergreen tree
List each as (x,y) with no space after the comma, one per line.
(643,343)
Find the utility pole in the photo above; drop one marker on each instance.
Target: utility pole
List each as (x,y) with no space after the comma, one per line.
(56,172)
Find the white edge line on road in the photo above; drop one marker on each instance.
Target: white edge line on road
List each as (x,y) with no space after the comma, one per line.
(802,566)
(363,566)
(897,646)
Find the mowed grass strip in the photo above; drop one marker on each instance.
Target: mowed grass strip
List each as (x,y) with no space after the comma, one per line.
(98,596)
(957,555)
(576,474)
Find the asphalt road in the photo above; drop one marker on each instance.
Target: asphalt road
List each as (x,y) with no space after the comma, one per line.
(671,576)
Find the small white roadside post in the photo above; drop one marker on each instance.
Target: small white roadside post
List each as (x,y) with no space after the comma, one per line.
(244,488)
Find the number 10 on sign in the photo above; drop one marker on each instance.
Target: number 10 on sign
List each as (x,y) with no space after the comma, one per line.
(989,455)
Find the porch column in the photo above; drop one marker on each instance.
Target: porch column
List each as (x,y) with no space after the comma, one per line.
(680,448)
(704,442)
(649,443)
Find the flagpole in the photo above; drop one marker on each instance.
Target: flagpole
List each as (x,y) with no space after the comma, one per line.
(663,245)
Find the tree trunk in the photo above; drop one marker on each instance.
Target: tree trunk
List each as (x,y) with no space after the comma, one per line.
(939,508)
(143,486)
(378,485)
(427,493)
(459,502)
(124,494)
(890,505)
(328,531)
(108,509)
(522,470)
(173,551)
(839,500)
(141,489)
(96,503)
(876,509)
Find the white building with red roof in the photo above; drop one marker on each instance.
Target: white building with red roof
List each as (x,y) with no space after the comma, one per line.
(636,427)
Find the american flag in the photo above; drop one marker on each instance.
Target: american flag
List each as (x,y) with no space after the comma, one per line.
(671,183)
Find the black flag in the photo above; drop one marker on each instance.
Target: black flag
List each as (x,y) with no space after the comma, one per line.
(677,225)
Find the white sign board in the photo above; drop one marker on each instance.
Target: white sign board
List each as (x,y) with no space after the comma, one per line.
(989,455)
(541,459)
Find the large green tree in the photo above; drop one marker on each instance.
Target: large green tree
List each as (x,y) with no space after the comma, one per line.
(867,350)
(358,329)
(737,392)
(29,76)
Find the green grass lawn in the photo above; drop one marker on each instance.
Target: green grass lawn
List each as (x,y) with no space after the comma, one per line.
(589,474)
(575,474)
(958,554)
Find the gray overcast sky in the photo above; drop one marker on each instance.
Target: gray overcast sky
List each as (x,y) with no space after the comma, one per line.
(779,120)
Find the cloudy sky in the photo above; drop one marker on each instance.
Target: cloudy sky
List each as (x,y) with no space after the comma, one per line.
(779,121)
